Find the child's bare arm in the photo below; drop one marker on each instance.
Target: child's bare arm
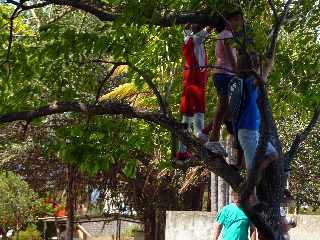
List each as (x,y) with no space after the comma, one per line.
(233,60)
(209,29)
(217,227)
(253,233)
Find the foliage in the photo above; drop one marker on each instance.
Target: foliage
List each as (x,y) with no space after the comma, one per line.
(17,201)
(304,179)
(31,233)
(71,53)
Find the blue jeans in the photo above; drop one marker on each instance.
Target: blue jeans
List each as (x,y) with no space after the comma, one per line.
(249,140)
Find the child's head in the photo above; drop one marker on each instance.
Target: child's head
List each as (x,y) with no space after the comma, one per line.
(235,197)
(235,19)
(195,28)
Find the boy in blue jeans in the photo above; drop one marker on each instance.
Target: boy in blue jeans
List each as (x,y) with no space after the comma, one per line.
(249,123)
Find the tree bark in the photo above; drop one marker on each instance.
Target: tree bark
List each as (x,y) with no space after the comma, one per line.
(222,193)
(214,192)
(70,202)
(150,225)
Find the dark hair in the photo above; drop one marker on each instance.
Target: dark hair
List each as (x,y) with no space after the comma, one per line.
(197,27)
(220,23)
(230,15)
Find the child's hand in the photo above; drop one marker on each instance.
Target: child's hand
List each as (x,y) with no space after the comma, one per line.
(209,29)
(187,26)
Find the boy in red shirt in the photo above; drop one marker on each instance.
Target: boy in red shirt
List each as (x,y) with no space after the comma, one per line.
(195,76)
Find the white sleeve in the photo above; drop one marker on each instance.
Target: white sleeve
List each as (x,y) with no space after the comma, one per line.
(187,34)
(282,212)
(202,35)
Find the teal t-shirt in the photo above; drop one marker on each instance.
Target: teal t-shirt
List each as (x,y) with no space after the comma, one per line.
(235,223)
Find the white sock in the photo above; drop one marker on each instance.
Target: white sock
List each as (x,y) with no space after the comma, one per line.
(187,120)
(198,123)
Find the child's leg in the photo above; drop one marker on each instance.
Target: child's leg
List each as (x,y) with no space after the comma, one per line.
(188,121)
(213,143)
(198,123)
(218,119)
(221,82)
(249,140)
(200,108)
(271,155)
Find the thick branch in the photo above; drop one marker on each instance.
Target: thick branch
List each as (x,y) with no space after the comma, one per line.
(215,162)
(34,6)
(300,137)
(258,222)
(99,10)
(87,8)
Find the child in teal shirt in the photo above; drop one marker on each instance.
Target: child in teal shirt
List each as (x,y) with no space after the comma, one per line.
(233,222)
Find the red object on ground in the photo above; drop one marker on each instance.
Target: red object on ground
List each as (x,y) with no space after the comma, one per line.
(58,210)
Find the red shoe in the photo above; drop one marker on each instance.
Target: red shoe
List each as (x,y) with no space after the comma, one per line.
(182,156)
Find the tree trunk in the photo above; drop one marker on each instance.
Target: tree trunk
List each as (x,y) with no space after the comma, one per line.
(70,202)
(150,225)
(270,189)
(221,193)
(193,199)
(214,192)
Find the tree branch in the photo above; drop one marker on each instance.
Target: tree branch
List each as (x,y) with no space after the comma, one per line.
(274,10)
(153,87)
(213,162)
(276,29)
(34,6)
(103,16)
(13,16)
(169,19)
(300,137)
(115,66)
(265,231)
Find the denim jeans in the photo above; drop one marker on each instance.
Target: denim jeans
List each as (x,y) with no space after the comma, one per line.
(249,140)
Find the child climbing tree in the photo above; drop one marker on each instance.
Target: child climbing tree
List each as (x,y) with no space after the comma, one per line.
(195,76)
(44,73)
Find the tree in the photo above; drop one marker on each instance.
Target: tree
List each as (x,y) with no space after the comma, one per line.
(133,34)
(18,201)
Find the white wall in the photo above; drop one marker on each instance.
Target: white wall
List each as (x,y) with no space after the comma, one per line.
(188,225)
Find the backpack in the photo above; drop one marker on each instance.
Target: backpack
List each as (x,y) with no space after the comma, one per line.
(235,101)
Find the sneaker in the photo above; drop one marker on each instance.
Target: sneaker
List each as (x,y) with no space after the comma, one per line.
(183,156)
(216,147)
(202,136)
